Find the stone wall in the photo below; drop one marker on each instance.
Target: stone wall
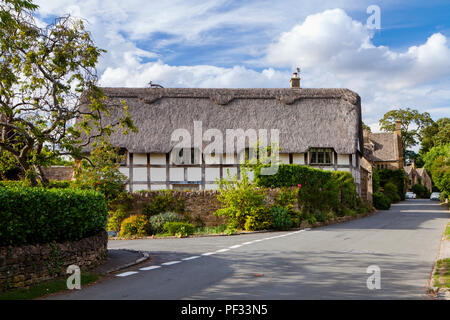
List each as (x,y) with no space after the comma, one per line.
(59,173)
(26,265)
(198,205)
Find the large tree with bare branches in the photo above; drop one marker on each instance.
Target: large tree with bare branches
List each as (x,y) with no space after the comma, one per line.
(46,75)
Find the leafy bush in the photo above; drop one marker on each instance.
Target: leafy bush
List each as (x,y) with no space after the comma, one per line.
(136,225)
(258,219)
(243,204)
(156,222)
(318,189)
(103,174)
(397,177)
(115,219)
(36,215)
(164,202)
(24,183)
(182,229)
(281,218)
(391,191)
(381,201)
(421,191)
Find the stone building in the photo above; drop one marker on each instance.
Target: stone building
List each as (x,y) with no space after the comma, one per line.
(418,176)
(320,128)
(384,149)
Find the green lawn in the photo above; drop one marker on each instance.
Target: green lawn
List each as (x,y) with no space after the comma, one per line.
(47,287)
(447,232)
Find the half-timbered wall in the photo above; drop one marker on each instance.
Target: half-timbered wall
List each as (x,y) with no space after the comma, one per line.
(157,171)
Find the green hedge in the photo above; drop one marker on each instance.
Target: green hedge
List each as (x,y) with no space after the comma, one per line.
(36,215)
(397,177)
(381,201)
(320,190)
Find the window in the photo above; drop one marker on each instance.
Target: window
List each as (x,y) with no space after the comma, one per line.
(123,156)
(321,156)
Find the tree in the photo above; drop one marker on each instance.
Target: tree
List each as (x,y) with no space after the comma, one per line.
(49,99)
(412,124)
(436,134)
(437,162)
(366,127)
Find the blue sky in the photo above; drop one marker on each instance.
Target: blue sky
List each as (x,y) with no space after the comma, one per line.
(221,43)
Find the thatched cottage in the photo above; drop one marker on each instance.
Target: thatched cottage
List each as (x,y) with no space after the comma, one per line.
(316,127)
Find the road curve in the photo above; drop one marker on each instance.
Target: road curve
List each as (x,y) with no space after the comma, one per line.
(323,263)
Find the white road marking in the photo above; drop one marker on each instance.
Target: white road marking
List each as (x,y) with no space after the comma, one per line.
(236,246)
(170,263)
(191,258)
(150,268)
(223,250)
(208,253)
(126,274)
(250,242)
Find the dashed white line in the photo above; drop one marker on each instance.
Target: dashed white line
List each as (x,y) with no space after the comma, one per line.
(208,253)
(150,268)
(190,258)
(222,250)
(236,246)
(126,274)
(250,242)
(170,263)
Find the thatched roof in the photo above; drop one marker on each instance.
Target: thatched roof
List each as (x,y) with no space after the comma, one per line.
(305,117)
(383,146)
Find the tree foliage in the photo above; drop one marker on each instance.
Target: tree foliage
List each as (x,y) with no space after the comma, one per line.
(412,121)
(436,134)
(49,98)
(437,162)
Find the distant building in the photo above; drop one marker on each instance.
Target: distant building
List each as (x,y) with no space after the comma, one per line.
(418,176)
(384,150)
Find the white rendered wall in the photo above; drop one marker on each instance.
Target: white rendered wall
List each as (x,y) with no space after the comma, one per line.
(157,158)
(139,174)
(342,159)
(298,158)
(139,158)
(158,174)
(194,174)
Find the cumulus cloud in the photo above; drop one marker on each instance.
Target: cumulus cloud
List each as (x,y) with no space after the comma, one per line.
(332,49)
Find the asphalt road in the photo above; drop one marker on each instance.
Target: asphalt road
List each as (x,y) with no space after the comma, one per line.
(322,263)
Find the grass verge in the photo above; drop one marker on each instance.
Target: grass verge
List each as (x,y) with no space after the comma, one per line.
(47,287)
(442,273)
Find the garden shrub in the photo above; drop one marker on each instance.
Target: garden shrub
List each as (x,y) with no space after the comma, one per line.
(164,202)
(258,219)
(381,201)
(318,189)
(243,204)
(183,229)
(156,222)
(136,225)
(421,191)
(390,190)
(397,177)
(115,219)
(31,215)
(103,173)
(281,218)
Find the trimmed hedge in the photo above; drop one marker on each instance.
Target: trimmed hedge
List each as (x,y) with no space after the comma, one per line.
(36,215)
(318,189)
(397,177)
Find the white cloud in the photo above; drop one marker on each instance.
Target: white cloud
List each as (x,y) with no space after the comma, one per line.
(333,49)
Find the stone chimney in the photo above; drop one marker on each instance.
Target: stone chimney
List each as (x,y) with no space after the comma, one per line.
(295,81)
(398,127)
(398,131)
